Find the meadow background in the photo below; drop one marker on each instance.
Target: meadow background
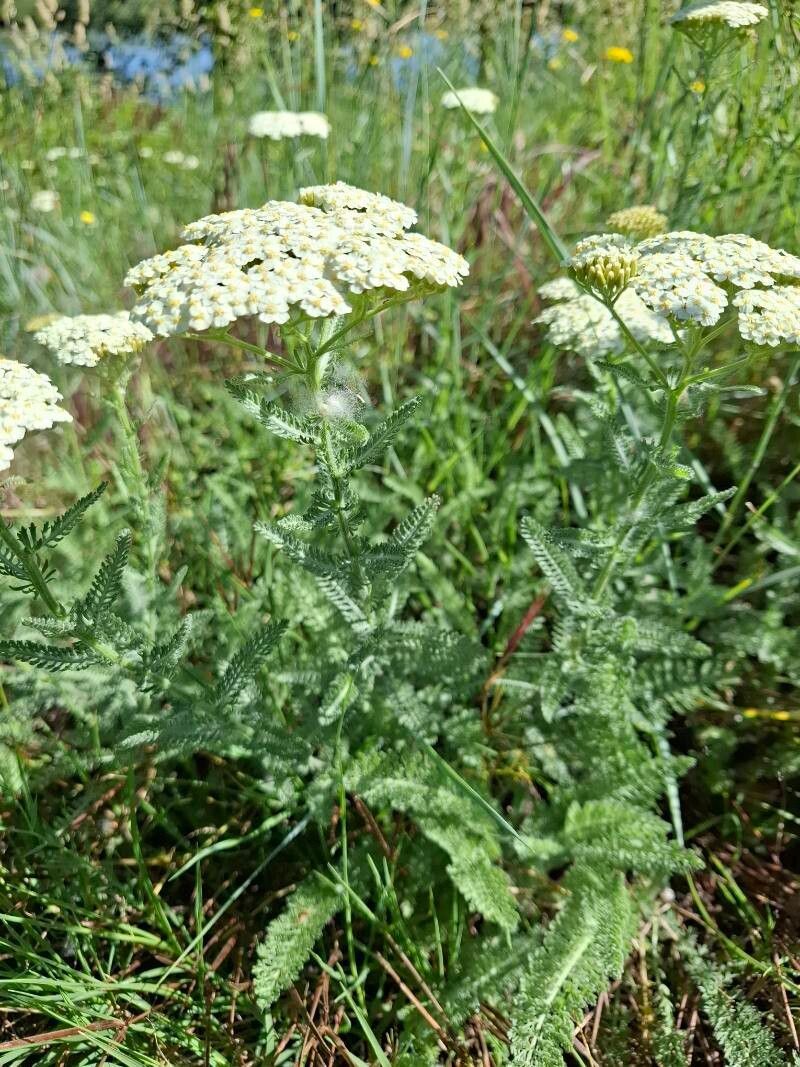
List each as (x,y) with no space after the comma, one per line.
(134,891)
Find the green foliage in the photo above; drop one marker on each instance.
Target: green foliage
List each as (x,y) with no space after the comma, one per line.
(414,786)
(246,663)
(584,947)
(291,937)
(737,1027)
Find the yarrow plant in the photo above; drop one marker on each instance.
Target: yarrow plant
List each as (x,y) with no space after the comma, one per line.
(579,322)
(338,252)
(28,401)
(478,101)
(692,278)
(84,340)
(726,13)
(420,750)
(715,27)
(279,125)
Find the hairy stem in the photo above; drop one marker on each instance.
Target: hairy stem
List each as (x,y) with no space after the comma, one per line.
(32,570)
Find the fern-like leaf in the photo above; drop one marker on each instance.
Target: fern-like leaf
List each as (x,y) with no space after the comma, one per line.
(291,937)
(382,436)
(555,564)
(105,587)
(57,529)
(585,947)
(736,1024)
(247,662)
(48,657)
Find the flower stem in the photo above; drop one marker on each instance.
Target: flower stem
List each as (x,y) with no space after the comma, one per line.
(32,570)
(136,481)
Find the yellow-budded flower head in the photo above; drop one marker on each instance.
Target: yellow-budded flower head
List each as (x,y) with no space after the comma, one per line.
(569,35)
(604,264)
(638,222)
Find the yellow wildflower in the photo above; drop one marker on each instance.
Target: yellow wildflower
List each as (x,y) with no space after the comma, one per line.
(698,86)
(405,52)
(256,12)
(442,35)
(356,24)
(373,61)
(555,63)
(568,35)
(86,217)
(292,35)
(618,55)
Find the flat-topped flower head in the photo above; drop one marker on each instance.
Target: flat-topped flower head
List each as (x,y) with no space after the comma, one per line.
(604,263)
(769,316)
(559,289)
(674,285)
(690,278)
(28,401)
(44,200)
(307,259)
(733,258)
(725,13)
(637,223)
(476,100)
(340,196)
(277,125)
(580,323)
(86,339)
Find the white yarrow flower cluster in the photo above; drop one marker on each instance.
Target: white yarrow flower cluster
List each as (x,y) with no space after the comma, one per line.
(769,316)
(735,258)
(736,16)
(478,101)
(306,257)
(179,159)
(85,339)
(674,285)
(28,401)
(580,323)
(341,196)
(44,200)
(686,277)
(60,152)
(276,125)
